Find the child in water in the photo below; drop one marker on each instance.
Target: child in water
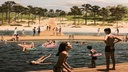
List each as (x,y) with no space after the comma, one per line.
(93,58)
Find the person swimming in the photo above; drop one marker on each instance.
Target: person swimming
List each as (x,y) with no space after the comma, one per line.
(25,47)
(40,60)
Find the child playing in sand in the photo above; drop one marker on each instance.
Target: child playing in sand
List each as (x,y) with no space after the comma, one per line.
(40,60)
(93,58)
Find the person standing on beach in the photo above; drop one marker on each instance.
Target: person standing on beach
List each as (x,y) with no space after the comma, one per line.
(62,65)
(38,30)
(15,31)
(60,29)
(110,40)
(34,31)
(117,30)
(98,32)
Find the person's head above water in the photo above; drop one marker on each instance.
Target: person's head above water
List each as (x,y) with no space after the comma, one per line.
(107,30)
(64,46)
(89,47)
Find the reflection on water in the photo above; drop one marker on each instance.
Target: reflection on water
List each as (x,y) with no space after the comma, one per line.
(13,59)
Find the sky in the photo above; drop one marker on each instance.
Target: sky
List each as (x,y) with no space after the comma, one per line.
(67,4)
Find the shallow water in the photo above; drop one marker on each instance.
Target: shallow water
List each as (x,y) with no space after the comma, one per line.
(13,59)
(10,33)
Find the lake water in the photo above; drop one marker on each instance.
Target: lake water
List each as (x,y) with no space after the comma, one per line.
(12,59)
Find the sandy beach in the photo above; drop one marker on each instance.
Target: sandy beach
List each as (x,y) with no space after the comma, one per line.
(37,38)
(49,34)
(121,67)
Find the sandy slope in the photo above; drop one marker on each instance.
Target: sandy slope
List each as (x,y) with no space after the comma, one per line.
(122,67)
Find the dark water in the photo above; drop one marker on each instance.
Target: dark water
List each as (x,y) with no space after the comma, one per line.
(12,59)
(87,33)
(10,32)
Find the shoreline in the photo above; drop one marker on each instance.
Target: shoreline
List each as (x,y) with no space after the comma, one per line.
(120,67)
(63,37)
(38,38)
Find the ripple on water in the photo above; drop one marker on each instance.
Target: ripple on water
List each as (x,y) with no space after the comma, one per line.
(13,59)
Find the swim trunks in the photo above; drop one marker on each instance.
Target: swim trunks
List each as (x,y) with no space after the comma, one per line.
(109,49)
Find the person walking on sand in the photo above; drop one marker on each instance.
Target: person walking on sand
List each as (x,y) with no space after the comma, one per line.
(93,58)
(38,30)
(62,65)
(34,31)
(110,40)
(40,60)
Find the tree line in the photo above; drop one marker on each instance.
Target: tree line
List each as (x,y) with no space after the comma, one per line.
(109,13)
(85,11)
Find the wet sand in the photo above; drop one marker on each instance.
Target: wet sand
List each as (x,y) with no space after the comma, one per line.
(63,37)
(121,67)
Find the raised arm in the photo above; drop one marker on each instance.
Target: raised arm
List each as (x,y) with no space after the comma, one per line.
(117,40)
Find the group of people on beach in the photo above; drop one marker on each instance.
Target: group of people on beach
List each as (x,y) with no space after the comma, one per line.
(110,40)
(62,66)
(38,31)
(56,30)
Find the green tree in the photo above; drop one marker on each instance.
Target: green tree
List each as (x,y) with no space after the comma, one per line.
(2,14)
(62,14)
(9,5)
(51,13)
(86,7)
(95,10)
(18,9)
(75,10)
(104,12)
(118,12)
(29,11)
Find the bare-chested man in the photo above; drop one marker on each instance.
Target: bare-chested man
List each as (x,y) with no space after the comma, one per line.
(110,40)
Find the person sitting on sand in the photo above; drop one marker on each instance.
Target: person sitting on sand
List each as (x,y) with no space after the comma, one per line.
(93,58)
(40,60)
(62,65)
(110,40)
(24,46)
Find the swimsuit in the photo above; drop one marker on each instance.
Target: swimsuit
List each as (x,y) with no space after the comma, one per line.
(57,69)
(94,58)
(109,49)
